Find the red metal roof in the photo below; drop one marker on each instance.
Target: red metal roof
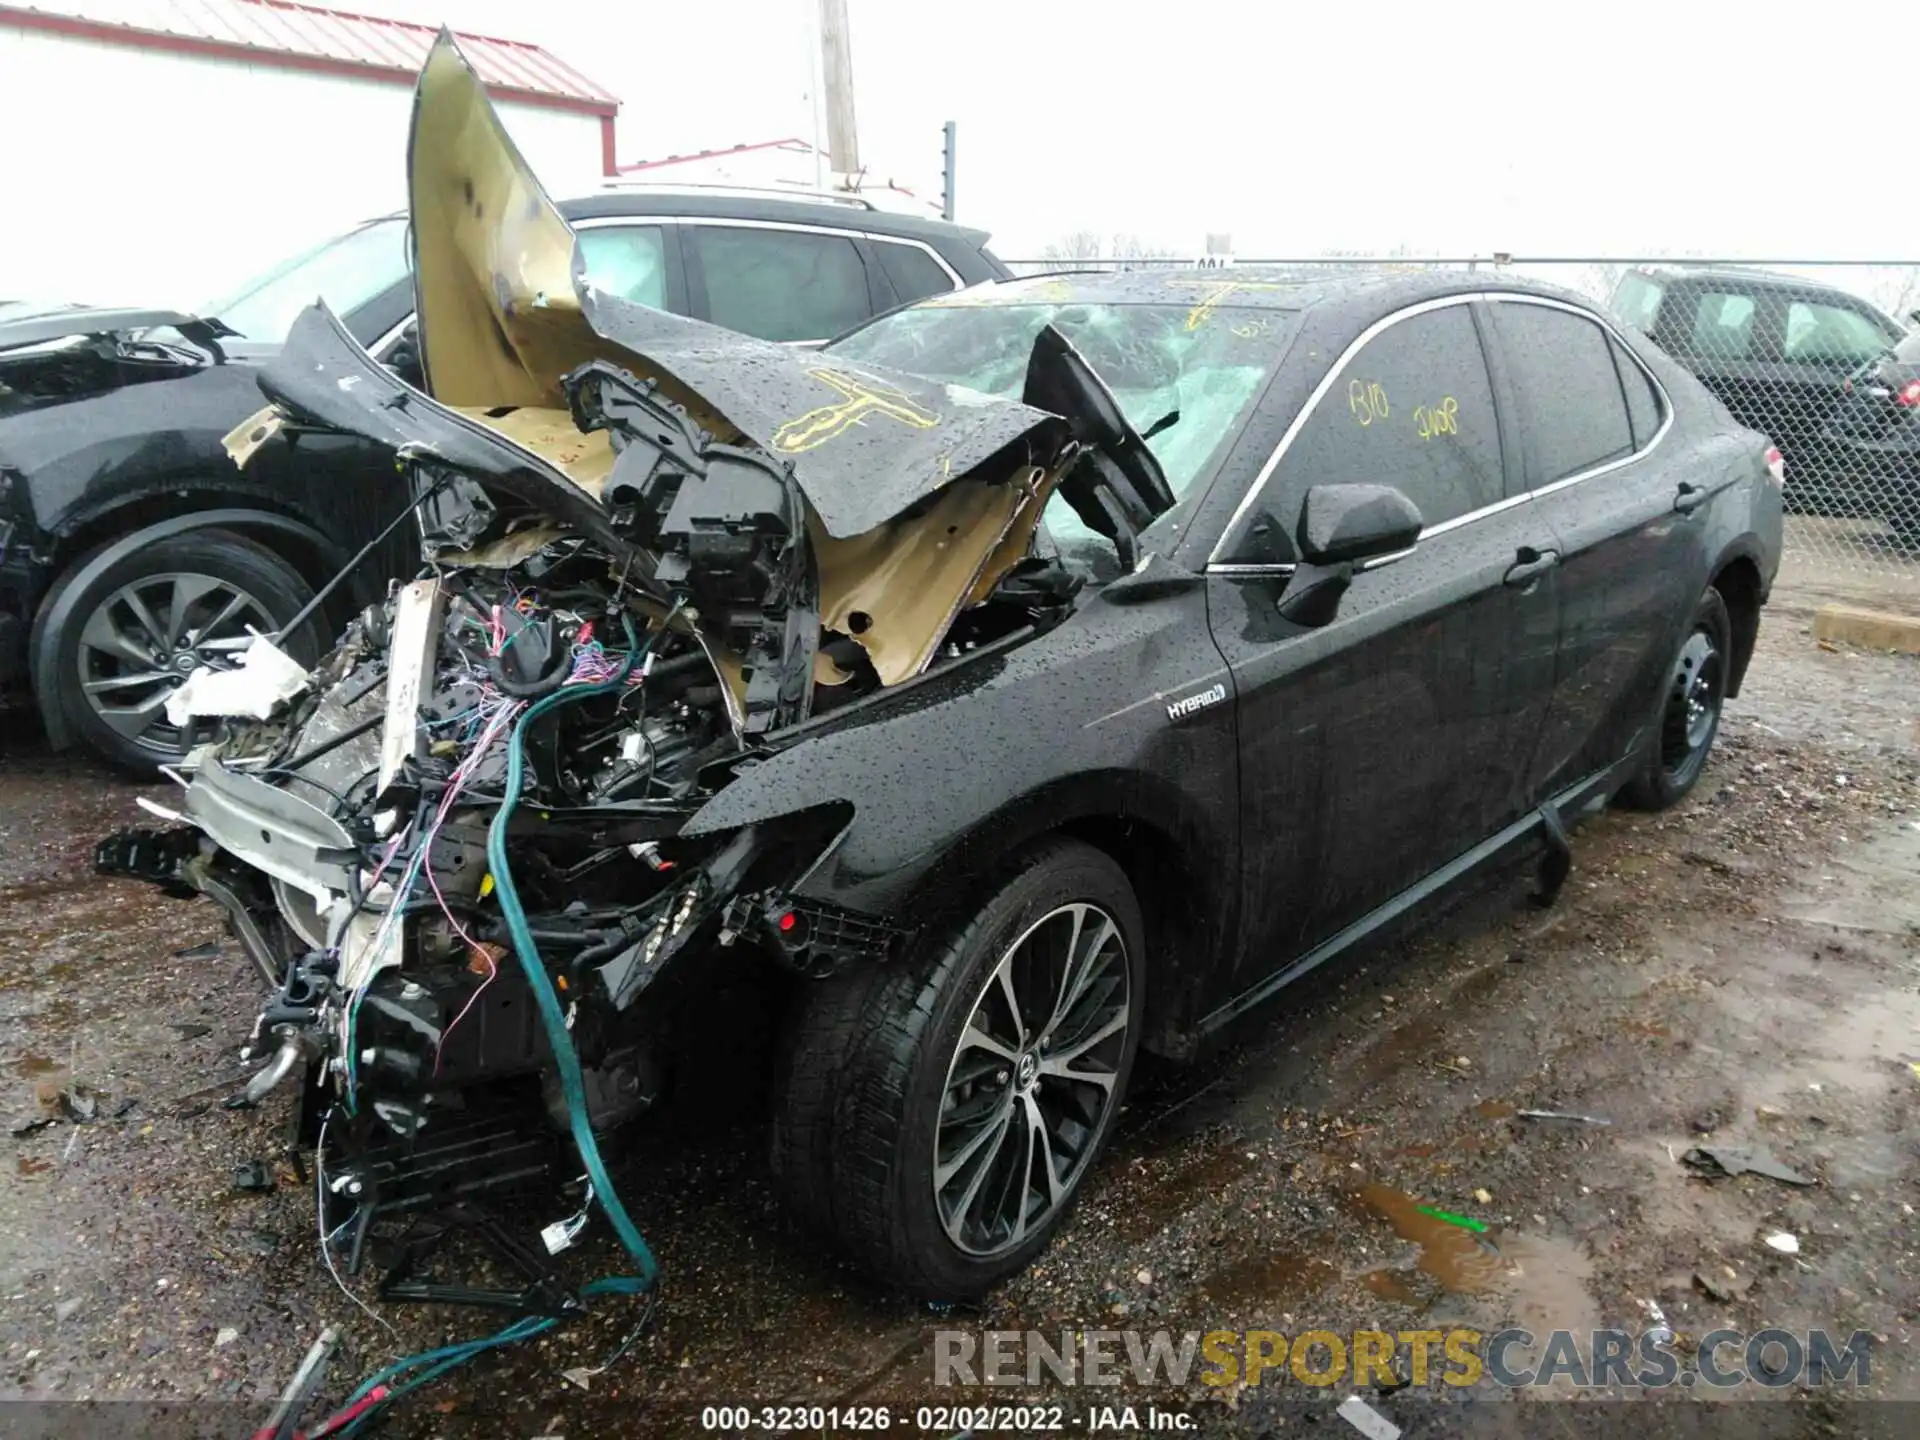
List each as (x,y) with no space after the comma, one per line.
(799,147)
(306,37)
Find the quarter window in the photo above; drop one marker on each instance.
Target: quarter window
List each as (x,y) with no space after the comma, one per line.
(629,261)
(1572,410)
(1643,400)
(781,284)
(1413,409)
(915,274)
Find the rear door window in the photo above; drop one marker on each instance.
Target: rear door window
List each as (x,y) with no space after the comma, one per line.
(781,284)
(1723,326)
(913,273)
(1573,412)
(1413,409)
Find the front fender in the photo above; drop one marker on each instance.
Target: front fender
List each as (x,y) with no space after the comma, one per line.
(949,774)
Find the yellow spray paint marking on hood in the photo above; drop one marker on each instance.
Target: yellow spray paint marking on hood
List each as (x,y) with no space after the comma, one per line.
(501,325)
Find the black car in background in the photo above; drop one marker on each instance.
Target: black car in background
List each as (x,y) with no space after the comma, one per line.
(1876,431)
(133,550)
(1777,350)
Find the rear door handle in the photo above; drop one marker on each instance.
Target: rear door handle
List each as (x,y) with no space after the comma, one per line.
(1528,566)
(1689,498)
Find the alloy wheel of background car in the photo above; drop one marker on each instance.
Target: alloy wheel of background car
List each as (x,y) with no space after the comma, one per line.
(140,626)
(1690,709)
(1032,1079)
(141,642)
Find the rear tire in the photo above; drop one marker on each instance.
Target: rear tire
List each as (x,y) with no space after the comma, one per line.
(937,1141)
(1688,720)
(115,657)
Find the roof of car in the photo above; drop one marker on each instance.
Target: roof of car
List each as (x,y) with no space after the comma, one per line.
(773,208)
(1731,275)
(848,214)
(1244,287)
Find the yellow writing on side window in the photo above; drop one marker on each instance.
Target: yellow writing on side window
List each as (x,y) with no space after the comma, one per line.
(1367,401)
(1441,419)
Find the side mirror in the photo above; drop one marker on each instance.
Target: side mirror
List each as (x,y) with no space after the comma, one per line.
(1347,524)
(1341,527)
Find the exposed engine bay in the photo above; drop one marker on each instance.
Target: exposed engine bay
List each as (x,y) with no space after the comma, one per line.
(61,355)
(464,852)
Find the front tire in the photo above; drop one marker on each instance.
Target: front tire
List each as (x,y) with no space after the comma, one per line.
(938,1116)
(1690,709)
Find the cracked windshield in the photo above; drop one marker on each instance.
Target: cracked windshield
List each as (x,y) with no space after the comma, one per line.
(1184,374)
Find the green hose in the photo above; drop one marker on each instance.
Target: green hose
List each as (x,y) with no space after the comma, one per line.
(565,1057)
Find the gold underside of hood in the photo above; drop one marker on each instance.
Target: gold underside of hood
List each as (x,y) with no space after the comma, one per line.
(501,326)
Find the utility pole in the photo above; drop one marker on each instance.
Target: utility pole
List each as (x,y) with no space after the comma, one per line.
(948,156)
(836,63)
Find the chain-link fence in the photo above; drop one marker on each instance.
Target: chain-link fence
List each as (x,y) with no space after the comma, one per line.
(1821,356)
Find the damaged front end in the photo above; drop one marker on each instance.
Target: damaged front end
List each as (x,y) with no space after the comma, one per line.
(460,851)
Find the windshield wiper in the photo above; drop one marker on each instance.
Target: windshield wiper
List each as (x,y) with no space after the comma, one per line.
(1165,422)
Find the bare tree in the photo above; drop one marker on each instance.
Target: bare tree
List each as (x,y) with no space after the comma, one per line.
(1083,247)
(1132,248)
(1907,296)
(1080,245)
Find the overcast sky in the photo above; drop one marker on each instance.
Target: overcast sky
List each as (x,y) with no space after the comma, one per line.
(1626,127)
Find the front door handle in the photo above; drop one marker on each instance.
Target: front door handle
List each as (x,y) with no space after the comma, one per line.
(1528,566)
(1689,498)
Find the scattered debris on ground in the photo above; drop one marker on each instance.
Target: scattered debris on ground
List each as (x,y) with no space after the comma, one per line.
(1749,957)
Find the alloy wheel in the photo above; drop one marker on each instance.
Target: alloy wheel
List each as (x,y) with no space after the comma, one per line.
(143,640)
(1693,704)
(1032,1080)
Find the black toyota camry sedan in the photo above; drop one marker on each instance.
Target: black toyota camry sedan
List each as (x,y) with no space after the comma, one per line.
(1042,672)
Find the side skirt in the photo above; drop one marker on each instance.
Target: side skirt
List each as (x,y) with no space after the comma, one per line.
(1588,796)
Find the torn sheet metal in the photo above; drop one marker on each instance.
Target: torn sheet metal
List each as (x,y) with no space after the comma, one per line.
(897,588)
(865,444)
(323,377)
(504,316)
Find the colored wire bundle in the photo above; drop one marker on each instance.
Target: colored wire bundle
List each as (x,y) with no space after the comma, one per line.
(500,714)
(594,672)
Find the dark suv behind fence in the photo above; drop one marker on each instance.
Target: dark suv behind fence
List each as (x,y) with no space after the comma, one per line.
(1778,351)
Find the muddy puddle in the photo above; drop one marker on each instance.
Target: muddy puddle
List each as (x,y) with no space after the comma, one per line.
(1460,1252)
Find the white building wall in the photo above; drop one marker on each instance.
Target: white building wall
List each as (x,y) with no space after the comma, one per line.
(144,177)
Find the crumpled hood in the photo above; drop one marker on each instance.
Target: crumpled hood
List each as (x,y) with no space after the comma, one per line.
(864,443)
(505,314)
(789,499)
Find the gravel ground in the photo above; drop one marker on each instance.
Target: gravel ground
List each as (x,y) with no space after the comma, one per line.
(1744,968)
